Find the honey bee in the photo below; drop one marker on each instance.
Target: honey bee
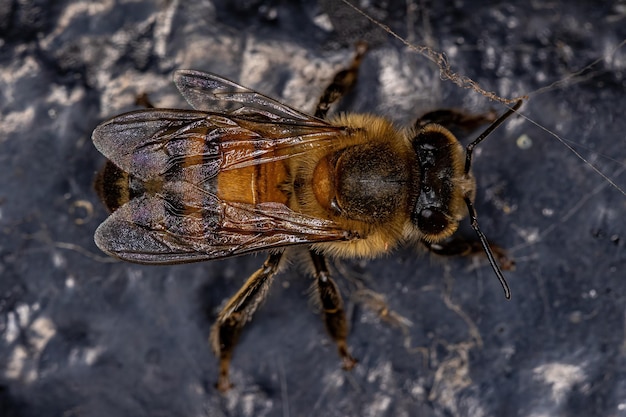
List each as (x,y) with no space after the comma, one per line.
(244,173)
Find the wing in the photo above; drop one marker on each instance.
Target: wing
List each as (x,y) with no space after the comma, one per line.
(233,127)
(149,229)
(210,92)
(176,154)
(148,143)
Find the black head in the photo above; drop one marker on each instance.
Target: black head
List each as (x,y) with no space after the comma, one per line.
(443,183)
(447,187)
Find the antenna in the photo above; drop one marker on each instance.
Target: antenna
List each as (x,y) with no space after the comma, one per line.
(487,132)
(470,206)
(487,249)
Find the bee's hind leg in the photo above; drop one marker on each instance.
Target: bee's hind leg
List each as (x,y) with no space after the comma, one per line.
(237,312)
(342,83)
(332,309)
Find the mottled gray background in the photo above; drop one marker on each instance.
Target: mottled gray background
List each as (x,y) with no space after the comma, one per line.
(83,335)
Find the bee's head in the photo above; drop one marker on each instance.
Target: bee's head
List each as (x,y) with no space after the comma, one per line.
(447,187)
(443,183)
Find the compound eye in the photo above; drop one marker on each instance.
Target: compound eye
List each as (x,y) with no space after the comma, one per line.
(432,221)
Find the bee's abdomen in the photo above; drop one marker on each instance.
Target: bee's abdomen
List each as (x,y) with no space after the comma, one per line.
(112,186)
(255,183)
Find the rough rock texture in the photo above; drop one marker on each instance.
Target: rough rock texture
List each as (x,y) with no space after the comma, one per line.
(83,335)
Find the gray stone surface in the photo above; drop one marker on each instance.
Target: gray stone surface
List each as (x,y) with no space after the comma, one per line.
(83,335)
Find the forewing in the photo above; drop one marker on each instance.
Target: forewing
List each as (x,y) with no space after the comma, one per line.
(146,143)
(152,143)
(156,229)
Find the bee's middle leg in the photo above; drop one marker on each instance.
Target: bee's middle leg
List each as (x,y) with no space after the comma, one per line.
(342,83)
(332,306)
(237,312)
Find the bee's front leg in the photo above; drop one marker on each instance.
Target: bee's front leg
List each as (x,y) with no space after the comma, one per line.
(332,309)
(237,312)
(460,246)
(451,119)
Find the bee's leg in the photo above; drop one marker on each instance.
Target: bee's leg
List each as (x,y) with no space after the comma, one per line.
(237,312)
(459,246)
(450,118)
(332,306)
(144,101)
(342,83)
